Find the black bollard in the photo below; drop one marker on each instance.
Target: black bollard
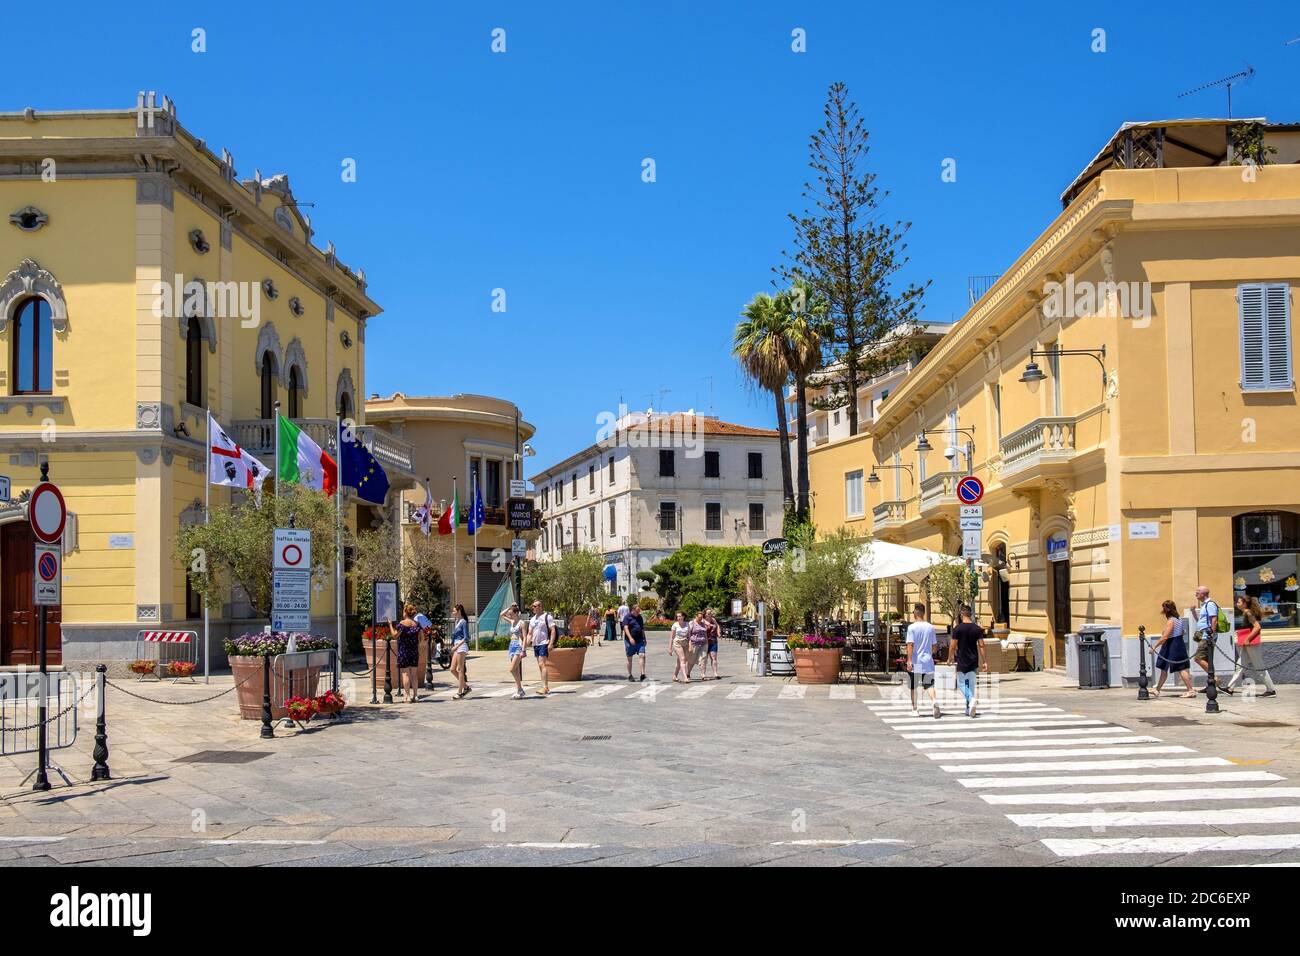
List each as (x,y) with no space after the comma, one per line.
(374,667)
(1142,663)
(428,664)
(388,673)
(1211,683)
(267,730)
(100,770)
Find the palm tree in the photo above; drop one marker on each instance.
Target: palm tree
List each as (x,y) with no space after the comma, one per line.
(760,347)
(803,327)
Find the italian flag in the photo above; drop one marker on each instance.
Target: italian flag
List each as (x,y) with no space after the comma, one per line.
(301,460)
(451,517)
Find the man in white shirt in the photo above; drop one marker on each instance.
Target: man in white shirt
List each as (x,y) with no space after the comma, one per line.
(1207,623)
(920,657)
(542,628)
(622,613)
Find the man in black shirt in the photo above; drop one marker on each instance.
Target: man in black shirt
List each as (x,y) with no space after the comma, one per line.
(968,641)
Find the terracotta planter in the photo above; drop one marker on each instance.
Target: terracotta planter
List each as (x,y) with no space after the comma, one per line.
(565,663)
(247,672)
(817,666)
(375,650)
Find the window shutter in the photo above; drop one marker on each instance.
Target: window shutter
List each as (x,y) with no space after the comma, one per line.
(1277,331)
(1250,304)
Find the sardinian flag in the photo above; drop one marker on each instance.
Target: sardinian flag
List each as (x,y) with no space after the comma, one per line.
(230,465)
(423,514)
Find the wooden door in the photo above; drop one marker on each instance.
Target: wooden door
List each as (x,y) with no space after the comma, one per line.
(18,627)
(1061,620)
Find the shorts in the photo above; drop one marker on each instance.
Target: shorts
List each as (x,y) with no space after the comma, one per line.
(1203,650)
(927,679)
(542,650)
(633,649)
(713,647)
(517,650)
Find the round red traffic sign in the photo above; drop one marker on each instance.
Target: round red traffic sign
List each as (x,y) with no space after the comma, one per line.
(48,567)
(47,512)
(970,490)
(291,555)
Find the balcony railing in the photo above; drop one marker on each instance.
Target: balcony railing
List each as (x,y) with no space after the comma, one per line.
(889,514)
(939,490)
(258,437)
(1044,441)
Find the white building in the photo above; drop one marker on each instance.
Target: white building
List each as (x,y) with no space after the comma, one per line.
(656,483)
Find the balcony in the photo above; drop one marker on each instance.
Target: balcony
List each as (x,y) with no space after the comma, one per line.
(939,493)
(1043,448)
(889,514)
(258,435)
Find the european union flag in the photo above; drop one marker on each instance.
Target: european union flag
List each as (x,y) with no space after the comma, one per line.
(358,469)
(477,515)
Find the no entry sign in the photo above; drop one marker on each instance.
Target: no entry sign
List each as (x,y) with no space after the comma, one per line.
(47,512)
(292,550)
(970,490)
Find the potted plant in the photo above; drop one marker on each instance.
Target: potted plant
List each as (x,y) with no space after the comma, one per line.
(564,663)
(373,642)
(180,669)
(816,657)
(246,653)
(330,702)
(300,709)
(143,668)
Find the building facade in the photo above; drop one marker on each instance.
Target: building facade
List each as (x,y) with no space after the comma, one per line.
(143,282)
(658,482)
(1125,391)
(475,439)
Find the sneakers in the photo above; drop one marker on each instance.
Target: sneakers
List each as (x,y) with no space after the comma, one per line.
(519,695)
(937,712)
(643,678)
(915,712)
(631,679)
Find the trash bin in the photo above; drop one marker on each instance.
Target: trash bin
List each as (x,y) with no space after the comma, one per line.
(1094,667)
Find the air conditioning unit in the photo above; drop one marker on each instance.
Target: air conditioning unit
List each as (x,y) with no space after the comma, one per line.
(1261,531)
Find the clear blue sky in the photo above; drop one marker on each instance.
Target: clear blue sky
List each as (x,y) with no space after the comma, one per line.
(522,170)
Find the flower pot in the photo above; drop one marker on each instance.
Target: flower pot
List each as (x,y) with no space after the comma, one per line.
(817,666)
(565,663)
(248,676)
(375,651)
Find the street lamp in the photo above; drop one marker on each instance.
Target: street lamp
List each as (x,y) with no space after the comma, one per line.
(1033,374)
(874,479)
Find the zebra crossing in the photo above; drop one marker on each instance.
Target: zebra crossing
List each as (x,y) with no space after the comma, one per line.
(654,690)
(1059,773)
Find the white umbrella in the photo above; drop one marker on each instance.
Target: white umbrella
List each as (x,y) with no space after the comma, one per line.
(883,559)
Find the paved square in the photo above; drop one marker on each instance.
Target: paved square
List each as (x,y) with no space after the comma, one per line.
(746,770)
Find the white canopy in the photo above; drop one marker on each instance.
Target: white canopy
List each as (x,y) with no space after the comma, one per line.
(883,559)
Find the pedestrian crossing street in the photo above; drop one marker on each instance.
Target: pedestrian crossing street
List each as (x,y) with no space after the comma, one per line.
(1138,794)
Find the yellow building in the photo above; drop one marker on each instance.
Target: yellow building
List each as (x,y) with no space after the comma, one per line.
(117,221)
(475,439)
(1154,442)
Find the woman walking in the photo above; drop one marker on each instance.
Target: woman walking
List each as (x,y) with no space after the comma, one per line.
(1171,651)
(711,645)
(407,633)
(680,646)
(1250,657)
(611,628)
(518,628)
(460,649)
(699,639)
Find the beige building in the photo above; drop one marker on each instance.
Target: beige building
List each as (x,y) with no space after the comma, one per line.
(469,438)
(1126,392)
(657,482)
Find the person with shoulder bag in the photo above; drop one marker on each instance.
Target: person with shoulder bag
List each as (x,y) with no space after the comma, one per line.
(1249,656)
(1210,622)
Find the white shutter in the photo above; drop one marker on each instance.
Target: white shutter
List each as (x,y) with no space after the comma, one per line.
(1250,305)
(1277,330)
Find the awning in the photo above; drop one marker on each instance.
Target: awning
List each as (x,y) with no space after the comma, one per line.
(883,559)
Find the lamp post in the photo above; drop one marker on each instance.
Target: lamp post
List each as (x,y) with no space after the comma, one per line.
(1033,374)
(923,445)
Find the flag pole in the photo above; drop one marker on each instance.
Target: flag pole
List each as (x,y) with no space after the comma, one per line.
(276,423)
(473,544)
(207,517)
(455,557)
(338,544)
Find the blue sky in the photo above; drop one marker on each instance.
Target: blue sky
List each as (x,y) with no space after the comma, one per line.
(522,170)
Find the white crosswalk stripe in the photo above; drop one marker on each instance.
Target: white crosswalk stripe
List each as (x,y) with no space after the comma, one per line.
(743,692)
(695,691)
(1190,795)
(842,692)
(649,692)
(1068,752)
(792,692)
(604,690)
(1031,755)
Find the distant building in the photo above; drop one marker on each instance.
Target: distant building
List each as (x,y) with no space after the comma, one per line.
(658,482)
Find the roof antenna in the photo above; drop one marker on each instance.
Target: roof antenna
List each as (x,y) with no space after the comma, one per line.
(1229,82)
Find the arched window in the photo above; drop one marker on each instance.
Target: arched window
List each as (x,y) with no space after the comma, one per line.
(194,364)
(1000,586)
(345,406)
(268,385)
(1265,559)
(295,392)
(33,348)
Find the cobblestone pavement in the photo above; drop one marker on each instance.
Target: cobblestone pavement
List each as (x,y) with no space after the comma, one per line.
(737,771)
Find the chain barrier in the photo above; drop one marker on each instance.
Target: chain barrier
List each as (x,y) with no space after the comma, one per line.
(1236,657)
(179,703)
(49,720)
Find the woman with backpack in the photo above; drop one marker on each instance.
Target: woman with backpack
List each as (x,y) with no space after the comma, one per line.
(1171,650)
(1250,658)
